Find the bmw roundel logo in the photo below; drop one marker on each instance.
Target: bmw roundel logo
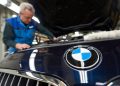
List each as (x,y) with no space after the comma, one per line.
(83,57)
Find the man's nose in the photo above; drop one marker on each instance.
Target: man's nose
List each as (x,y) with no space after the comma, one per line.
(29,20)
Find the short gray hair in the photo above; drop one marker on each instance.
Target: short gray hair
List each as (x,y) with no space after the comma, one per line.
(25,5)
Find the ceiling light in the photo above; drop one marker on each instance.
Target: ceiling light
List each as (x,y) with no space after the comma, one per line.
(3,2)
(14,7)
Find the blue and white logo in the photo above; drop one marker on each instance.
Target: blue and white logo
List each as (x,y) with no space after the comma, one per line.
(31,27)
(83,57)
(81,54)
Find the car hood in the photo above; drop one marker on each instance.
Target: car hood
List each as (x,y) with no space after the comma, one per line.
(65,16)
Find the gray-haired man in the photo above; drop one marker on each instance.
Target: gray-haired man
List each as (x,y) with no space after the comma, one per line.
(19,31)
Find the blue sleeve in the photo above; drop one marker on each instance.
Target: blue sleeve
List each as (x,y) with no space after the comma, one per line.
(9,36)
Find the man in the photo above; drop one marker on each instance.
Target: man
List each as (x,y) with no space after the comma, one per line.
(19,31)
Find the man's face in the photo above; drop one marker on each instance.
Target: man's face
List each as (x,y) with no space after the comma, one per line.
(26,16)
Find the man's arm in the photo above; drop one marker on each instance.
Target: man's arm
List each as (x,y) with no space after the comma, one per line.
(8,36)
(45,31)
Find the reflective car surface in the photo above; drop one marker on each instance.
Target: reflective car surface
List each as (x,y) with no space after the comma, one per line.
(73,60)
(61,61)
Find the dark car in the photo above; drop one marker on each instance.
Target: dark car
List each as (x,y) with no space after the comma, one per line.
(74,60)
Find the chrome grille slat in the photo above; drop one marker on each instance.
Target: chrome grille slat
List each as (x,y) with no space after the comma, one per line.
(19,81)
(12,80)
(27,82)
(16,80)
(2,79)
(23,81)
(7,80)
(0,74)
(37,83)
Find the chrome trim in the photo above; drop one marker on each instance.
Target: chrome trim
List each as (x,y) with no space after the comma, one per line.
(2,79)
(27,82)
(19,81)
(12,80)
(7,79)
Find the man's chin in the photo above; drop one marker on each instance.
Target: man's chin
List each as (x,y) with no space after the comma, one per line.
(27,23)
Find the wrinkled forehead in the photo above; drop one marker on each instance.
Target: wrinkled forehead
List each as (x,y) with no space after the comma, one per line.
(27,12)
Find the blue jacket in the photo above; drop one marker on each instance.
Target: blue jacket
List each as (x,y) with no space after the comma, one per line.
(17,32)
(23,34)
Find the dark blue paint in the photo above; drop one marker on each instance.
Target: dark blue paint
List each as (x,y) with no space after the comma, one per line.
(52,63)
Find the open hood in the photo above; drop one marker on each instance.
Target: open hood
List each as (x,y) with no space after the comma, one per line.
(65,16)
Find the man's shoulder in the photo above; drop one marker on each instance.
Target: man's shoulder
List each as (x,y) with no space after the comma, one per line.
(34,22)
(12,19)
(12,22)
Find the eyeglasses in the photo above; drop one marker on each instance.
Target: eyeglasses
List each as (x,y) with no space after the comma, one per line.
(26,16)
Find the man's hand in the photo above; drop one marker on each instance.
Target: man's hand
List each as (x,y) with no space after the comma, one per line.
(22,46)
(55,39)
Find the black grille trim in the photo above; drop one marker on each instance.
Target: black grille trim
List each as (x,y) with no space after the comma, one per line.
(7,79)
